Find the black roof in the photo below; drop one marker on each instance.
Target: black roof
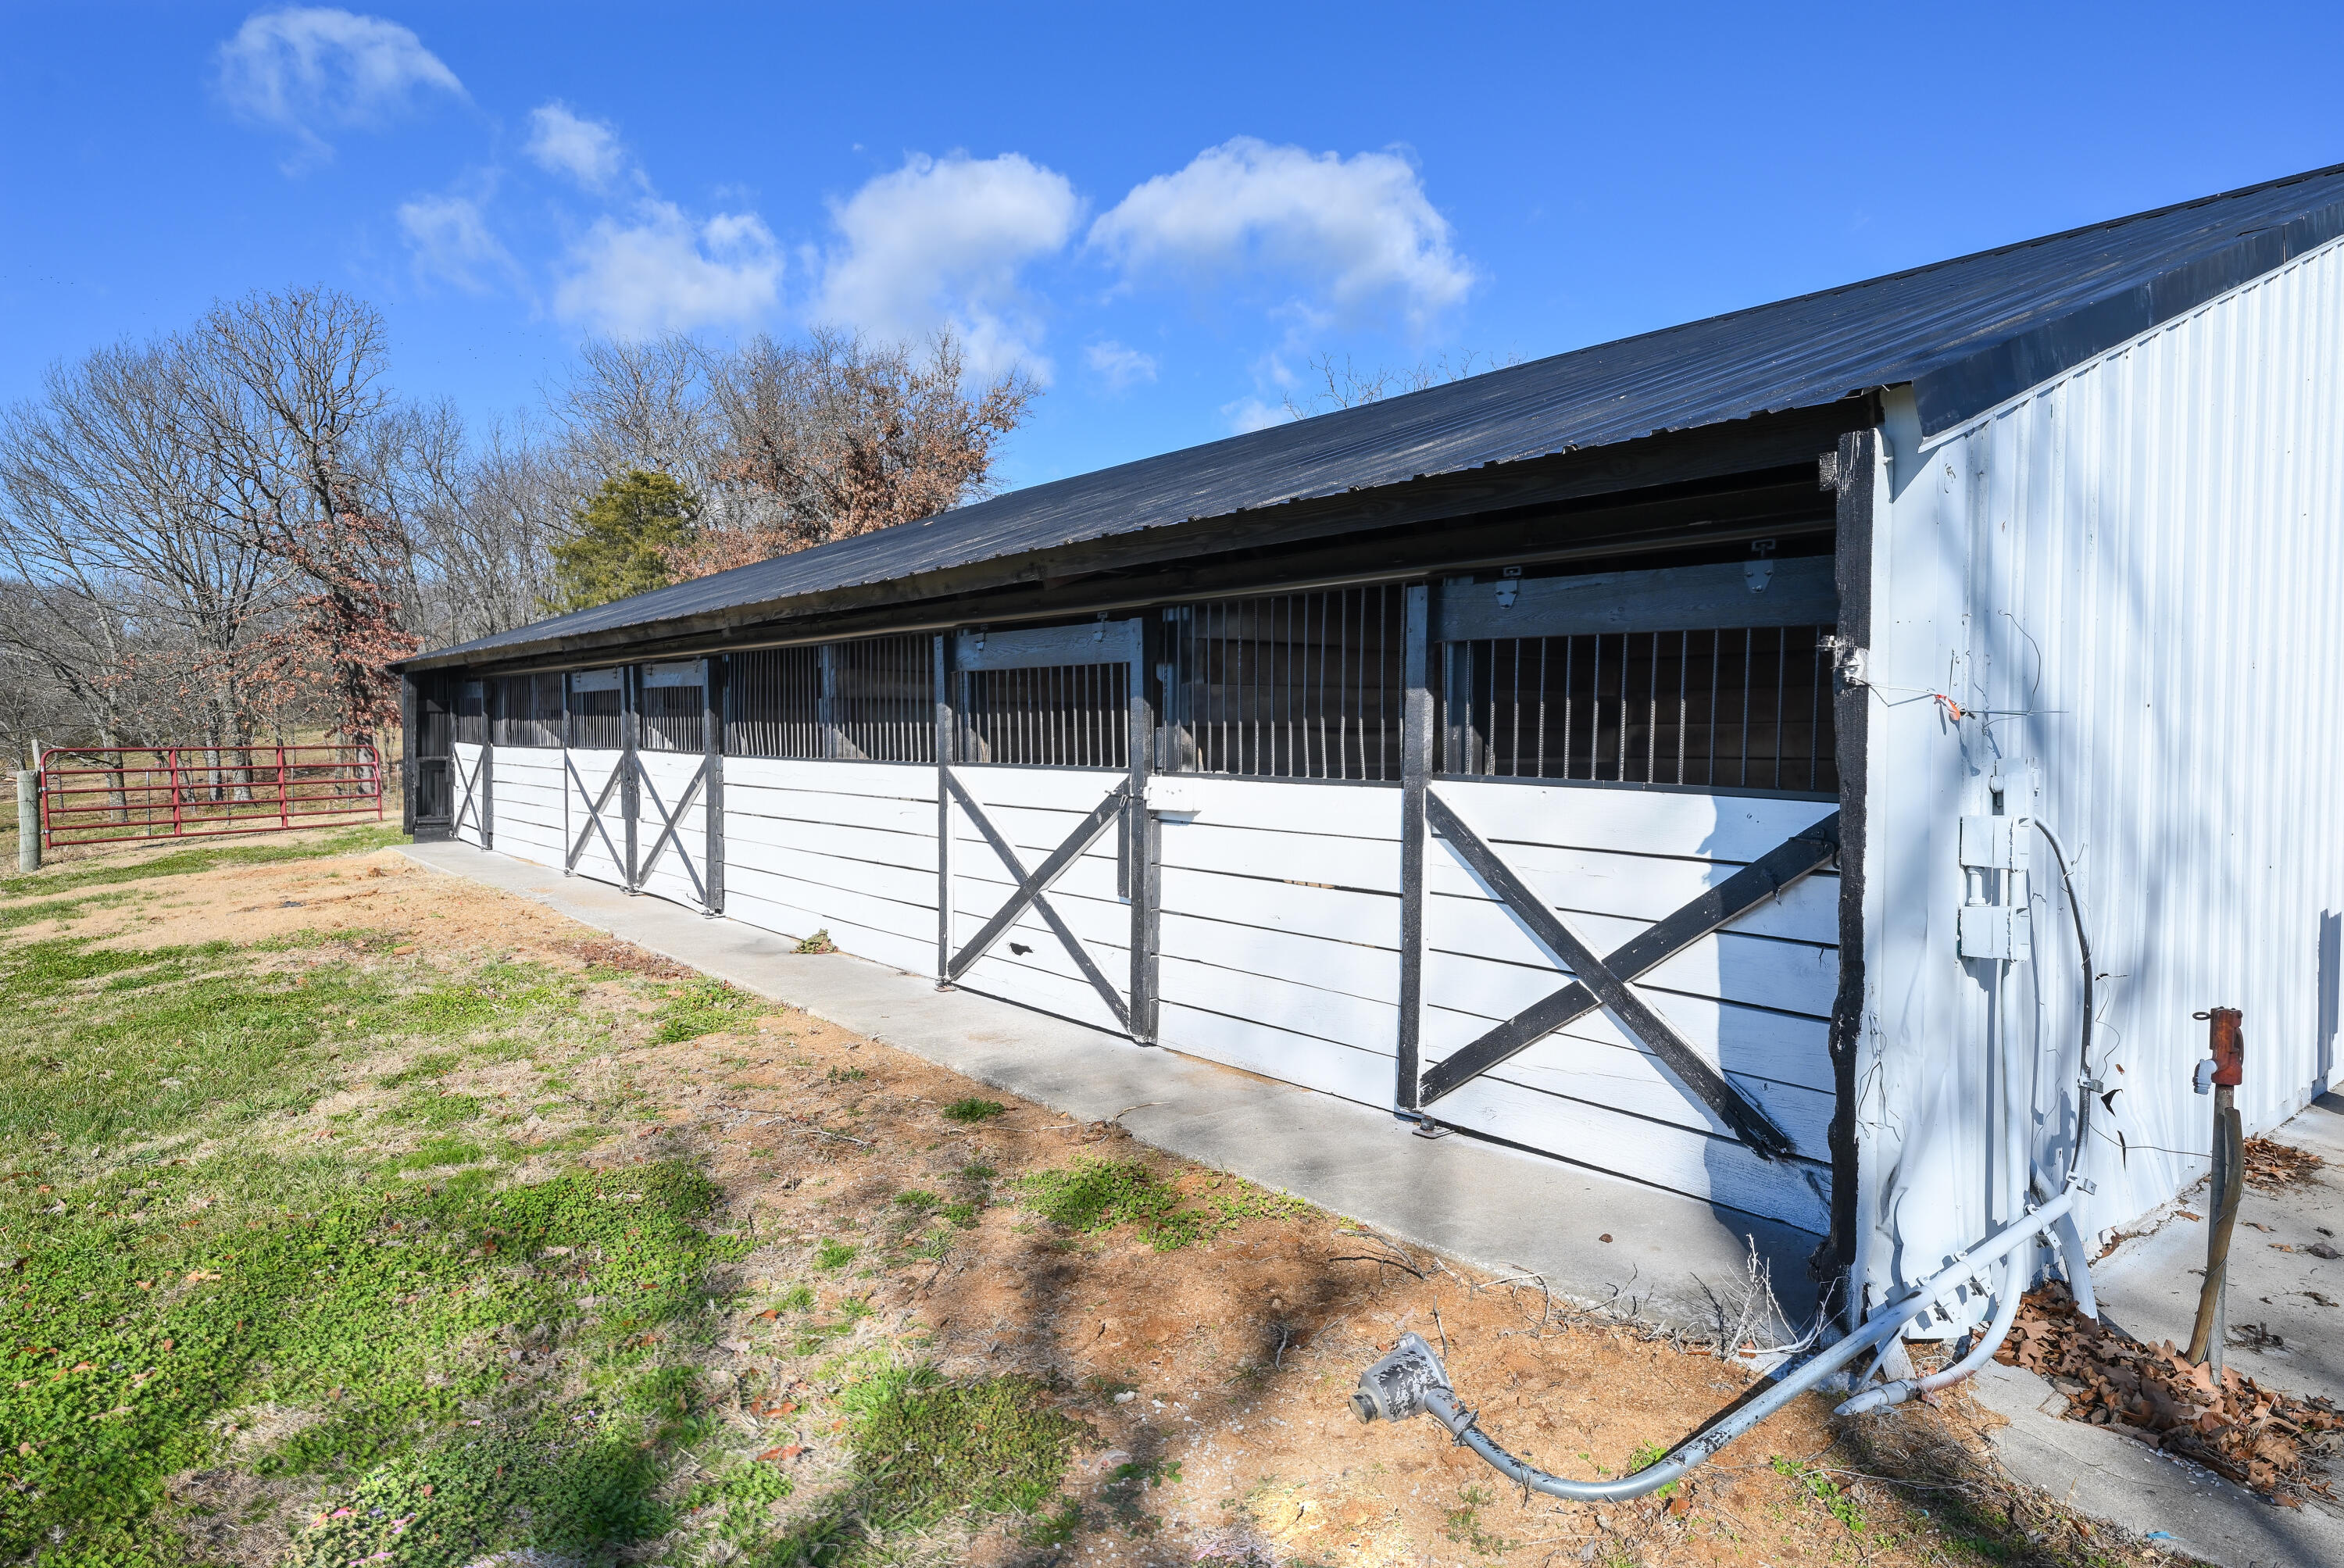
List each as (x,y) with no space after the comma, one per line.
(1966,334)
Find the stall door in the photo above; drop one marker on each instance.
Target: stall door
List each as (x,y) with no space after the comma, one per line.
(598,779)
(1044,904)
(673,781)
(469,772)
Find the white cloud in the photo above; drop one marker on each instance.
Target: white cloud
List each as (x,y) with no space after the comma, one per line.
(314,68)
(1249,414)
(588,151)
(1119,364)
(451,243)
(941,242)
(1358,233)
(662,273)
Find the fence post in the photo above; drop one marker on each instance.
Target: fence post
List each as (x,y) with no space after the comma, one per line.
(29,820)
(284,807)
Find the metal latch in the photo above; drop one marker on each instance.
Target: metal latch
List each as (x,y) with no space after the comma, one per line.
(1509,585)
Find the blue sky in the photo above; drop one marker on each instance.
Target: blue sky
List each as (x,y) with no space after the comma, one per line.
(1164,213)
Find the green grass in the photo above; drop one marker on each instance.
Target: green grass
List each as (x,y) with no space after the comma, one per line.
(973,1110)
(702,1005)
(424,1362)
(1094,1196)
(925,1450)
(204,857)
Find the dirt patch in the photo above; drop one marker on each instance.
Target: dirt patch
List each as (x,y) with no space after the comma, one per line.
(1200,1334)
(2275,1443)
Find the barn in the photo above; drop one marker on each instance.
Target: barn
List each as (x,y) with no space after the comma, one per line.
(1651,757)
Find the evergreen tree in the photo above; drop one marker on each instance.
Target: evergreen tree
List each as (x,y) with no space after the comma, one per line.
(627,538)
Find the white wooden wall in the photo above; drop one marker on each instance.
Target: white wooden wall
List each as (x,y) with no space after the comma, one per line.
(1754,997)
(603,858)
(1279,931)
(463,772)
(527,793)
(1278,940)
(1035,809)
(849,847)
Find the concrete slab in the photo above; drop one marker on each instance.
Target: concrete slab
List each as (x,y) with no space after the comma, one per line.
(1594,1236)
(2099,1472)
(2148,1285)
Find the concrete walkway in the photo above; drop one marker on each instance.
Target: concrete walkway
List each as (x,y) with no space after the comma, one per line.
(1595,1238)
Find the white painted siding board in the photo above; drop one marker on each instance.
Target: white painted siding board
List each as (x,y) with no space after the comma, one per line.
(909,852)
(1013,980)
(904,885)
(824,905)
(1737,828)
(1355,968)
(1282,1004)
(905,781)
(1792,977)
(884,813)
(1333,913)
(1471,995)
(1677,1159)
(1045,789)
(1358,811)
(1645,888)
(751,908)
(1363,864)
(1256,1047)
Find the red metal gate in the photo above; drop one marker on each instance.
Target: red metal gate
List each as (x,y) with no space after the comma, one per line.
(111,794)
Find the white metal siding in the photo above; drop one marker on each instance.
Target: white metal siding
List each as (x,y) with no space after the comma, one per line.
(2132,575)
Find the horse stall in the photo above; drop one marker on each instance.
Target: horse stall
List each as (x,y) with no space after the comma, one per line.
(1605,756)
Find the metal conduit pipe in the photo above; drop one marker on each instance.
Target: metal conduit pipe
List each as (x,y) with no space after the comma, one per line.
(1410,1381)
(2019,1270)
(2007,1295)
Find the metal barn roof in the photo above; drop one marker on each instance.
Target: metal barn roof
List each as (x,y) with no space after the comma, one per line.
(1965,333)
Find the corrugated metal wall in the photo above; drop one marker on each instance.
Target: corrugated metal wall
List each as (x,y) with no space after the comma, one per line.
(2133,576)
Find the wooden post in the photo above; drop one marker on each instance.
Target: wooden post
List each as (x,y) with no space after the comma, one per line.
(1139,831)
(713,673)
(631,733)
(946,745)
(1415,771)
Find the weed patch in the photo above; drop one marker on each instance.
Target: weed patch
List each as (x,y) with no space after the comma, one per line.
(703,1006)
(973,1110)
(1092,1196)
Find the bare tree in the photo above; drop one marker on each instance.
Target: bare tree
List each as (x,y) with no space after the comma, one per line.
(292,407)
(482,519)
(838,436)
(127,588)
(641,405)
(1346,386)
